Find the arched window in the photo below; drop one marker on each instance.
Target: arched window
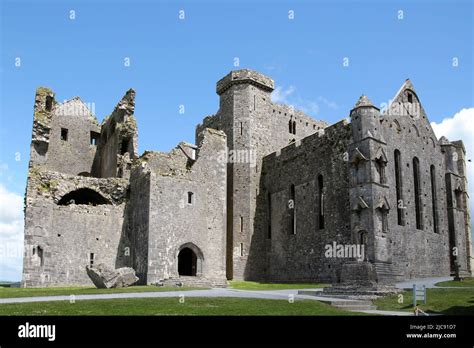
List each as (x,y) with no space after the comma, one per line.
(293,209)
(320,202)
(83,196)
(399,189)
(290,126)
(434,199)
(294,127)
(417,187)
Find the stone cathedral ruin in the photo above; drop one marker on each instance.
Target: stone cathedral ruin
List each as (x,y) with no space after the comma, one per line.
(259,197)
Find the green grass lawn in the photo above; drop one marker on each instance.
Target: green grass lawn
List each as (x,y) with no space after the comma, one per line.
(244,285)
(172,306)
(83,290)
(445,301)
(467,282)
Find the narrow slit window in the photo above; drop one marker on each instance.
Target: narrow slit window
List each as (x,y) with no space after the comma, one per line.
(399,189)
(94,138)
(91,260)
(434,199)
(190,197)
(241,224)
(241,249)
(293,209)
(294,127)
(320,202)
(269,231)
(49,103)
(40,255)
(64,134)
(417,187)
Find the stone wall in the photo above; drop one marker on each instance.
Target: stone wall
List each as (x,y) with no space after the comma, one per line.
(298,253)
(177,221)
(61,236)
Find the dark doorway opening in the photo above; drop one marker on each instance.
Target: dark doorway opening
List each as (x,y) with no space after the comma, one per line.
(187,262)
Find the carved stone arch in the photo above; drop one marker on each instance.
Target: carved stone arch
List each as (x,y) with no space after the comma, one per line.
(83,195)
(414,129)
(395,124)
(196,259)
(433,142)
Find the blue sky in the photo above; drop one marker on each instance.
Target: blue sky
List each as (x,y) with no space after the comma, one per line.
(177,62)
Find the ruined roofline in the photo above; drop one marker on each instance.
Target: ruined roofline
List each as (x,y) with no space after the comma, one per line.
(178,146)
(323,133)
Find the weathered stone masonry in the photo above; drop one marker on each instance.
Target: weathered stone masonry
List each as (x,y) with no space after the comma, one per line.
(221,209)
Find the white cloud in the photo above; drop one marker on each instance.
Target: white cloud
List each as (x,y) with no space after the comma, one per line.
(461,127)
(11,235)
(289,97)
(281,95)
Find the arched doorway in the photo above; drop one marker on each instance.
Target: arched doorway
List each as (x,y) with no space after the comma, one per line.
(187,262)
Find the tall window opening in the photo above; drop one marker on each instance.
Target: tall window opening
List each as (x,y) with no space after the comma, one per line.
(94,138)
(125,145)
(49,103)
(417,184)
(294,127)
(459,200)
(399,189)
(434,198)
(269,231)
(91,260)
(293,209)
(64,133)
(190,197)
(320,202)
(40,255)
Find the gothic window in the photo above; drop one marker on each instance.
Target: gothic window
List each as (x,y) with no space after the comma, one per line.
(293,209)
(417,187)
(410,97)
(399,189)
(434,200)
(320,202)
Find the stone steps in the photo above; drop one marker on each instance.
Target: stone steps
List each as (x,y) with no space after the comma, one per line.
(386,272)
(195,282)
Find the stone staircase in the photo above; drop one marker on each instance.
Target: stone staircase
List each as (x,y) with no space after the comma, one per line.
(198,282)
(386,273)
